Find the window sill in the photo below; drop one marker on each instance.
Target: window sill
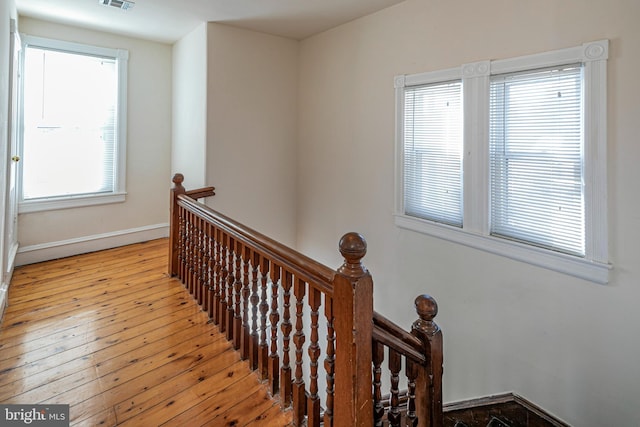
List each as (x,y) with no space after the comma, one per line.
(578,267)
(70,202)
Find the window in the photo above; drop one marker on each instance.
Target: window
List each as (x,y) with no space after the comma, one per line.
(73,125)
(535,152)
(433,152)
(509,156)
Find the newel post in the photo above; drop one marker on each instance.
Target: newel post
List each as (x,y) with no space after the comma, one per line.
(353,311)
(174,223)
(429,381)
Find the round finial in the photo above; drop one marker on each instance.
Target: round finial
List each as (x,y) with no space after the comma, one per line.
(426,307)
(353,247)
(178,179)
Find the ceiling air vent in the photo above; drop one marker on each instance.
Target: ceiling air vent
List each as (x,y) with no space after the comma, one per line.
(120,4)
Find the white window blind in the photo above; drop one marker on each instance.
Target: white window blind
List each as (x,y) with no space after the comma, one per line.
(433,144)
(70,125)
(536,158)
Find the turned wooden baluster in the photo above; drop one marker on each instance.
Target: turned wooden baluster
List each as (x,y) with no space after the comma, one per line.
(231,280)
(237,313)
(263,350)
(185,266)
(212,271)
(412,373)
(182,251)
(378,405)
(313,400)
(298,341)
(217,294)
(255,299)
(206,265)
(246,292)
(222,310)
(195,262)
(285,370)
(329,361)
(190,250)
(429,379)
(199,254)
(395,365)
(274,318)
(195,251)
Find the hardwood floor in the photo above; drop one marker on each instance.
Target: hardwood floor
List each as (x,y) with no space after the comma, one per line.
(110,334)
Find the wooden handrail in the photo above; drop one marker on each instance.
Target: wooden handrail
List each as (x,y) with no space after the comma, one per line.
(303,266)
(201,193)
(393,336)
(270,301)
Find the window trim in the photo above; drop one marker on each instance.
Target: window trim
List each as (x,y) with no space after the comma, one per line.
(78,200)
(475,77)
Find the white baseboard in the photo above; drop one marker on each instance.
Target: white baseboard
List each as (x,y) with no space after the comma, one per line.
(4,286)
(4,290)
(64,248)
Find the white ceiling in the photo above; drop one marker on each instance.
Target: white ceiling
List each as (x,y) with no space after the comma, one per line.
(168,20)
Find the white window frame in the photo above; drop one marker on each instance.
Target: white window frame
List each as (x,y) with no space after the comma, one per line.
(71,201)
(594,266)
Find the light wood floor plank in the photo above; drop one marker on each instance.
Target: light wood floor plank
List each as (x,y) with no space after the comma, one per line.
(150,389)
(92,342)
(105,418)
(236,375)
(92,277)
(94,259)
(113,364)
(66,292)
(245,411)
(136,315)
(34,333)
(129,317)
(110,334)
(25,325)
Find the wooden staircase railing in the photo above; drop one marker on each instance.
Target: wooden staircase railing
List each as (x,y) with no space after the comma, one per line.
(269,301)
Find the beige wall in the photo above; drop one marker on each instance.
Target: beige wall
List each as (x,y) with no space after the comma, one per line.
(251,128)
(569,345)
(188,153)
(148,145)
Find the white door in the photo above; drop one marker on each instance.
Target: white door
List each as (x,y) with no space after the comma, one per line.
(11,224)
